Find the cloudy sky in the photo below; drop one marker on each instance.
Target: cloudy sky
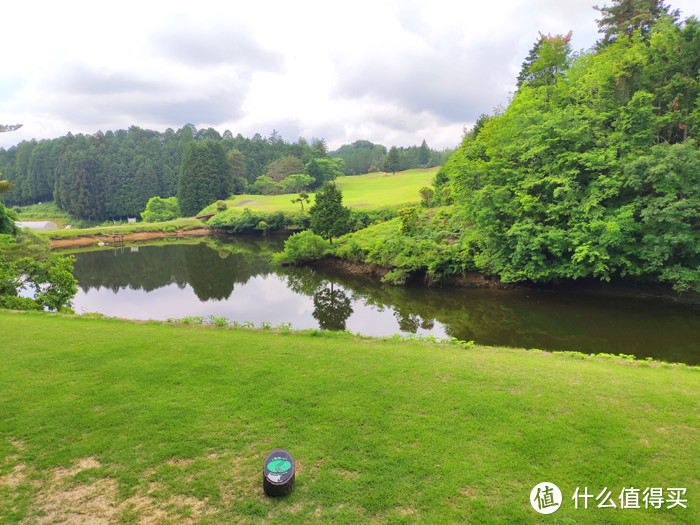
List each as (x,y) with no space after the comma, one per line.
(394,72)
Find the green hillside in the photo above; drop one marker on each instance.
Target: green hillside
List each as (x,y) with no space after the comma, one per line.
(373,190)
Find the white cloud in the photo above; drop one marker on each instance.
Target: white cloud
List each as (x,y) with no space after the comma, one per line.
(394,72)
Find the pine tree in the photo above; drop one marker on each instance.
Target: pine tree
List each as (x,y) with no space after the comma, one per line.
(329,218)
(391,162)
(424,154)
(624,17)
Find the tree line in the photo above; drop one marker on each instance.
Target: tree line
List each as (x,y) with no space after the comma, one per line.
(593,170)
(363,156)
(112,175)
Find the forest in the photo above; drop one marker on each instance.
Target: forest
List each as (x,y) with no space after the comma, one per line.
(593,170)
(112,175)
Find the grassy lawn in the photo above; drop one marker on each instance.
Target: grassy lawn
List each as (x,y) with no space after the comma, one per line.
(126,421)
(374,190)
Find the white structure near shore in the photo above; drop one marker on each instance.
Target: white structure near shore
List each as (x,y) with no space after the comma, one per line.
(42,226)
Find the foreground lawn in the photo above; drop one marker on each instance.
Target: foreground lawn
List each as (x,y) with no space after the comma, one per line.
(125,421)
(373,190)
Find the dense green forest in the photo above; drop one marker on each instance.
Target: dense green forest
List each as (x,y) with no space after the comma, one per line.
(363,156)
(593,170)
(113,175)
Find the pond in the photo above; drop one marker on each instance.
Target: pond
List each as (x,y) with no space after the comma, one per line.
(235,278)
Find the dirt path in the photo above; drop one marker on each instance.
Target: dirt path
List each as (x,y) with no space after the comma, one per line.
(108,239)
(243,203)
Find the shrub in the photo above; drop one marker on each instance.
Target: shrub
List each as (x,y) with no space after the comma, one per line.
(247,221)
(12,302)
(302,247)
(159,209)
(409,219)
(221,206)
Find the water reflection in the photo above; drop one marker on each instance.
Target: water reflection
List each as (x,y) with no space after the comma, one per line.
(331,308)
(235,278)
(210,268)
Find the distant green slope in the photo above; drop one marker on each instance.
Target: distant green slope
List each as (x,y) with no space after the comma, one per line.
(373,190)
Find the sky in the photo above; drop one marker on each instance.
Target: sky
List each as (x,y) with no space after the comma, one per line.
(393,72)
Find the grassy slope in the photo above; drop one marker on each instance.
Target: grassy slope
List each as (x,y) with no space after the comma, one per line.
(374,190)
(125,420)
(47,211)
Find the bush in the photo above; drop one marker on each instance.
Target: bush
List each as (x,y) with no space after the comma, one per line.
(247,221)
(7,221)
(360,219)
(221,206)
(159,210)
(302,247)
(11,302)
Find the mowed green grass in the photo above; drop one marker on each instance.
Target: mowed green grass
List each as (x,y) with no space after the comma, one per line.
(373,190)
(124,422)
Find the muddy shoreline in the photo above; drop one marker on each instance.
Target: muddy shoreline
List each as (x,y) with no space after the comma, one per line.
(119,238)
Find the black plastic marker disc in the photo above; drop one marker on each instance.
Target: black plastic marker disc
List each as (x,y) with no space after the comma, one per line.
(278,473)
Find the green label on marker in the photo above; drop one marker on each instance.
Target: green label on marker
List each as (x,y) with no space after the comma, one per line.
(279,466)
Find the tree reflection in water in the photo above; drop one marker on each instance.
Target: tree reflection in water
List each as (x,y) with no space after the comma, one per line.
(332,307)
(214,270)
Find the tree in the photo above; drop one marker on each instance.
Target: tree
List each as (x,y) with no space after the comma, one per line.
(624,17)
(548,59)
(264,185)
(391,162)
(303,197)
(424,154)
(205,177)
(322,171)
(319,148)
(50,275)
(284,167)
(295,183)
(329,218)
(235,158)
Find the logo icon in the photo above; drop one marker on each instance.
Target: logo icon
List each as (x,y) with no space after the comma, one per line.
(545,498)
(279,466)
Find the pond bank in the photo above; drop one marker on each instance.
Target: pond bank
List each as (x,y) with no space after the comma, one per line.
(89,240)
(617,289)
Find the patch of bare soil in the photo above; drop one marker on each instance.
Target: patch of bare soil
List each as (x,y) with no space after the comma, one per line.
(61,499)
(15,478)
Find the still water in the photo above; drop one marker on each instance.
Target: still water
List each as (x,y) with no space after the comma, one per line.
(235,278)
